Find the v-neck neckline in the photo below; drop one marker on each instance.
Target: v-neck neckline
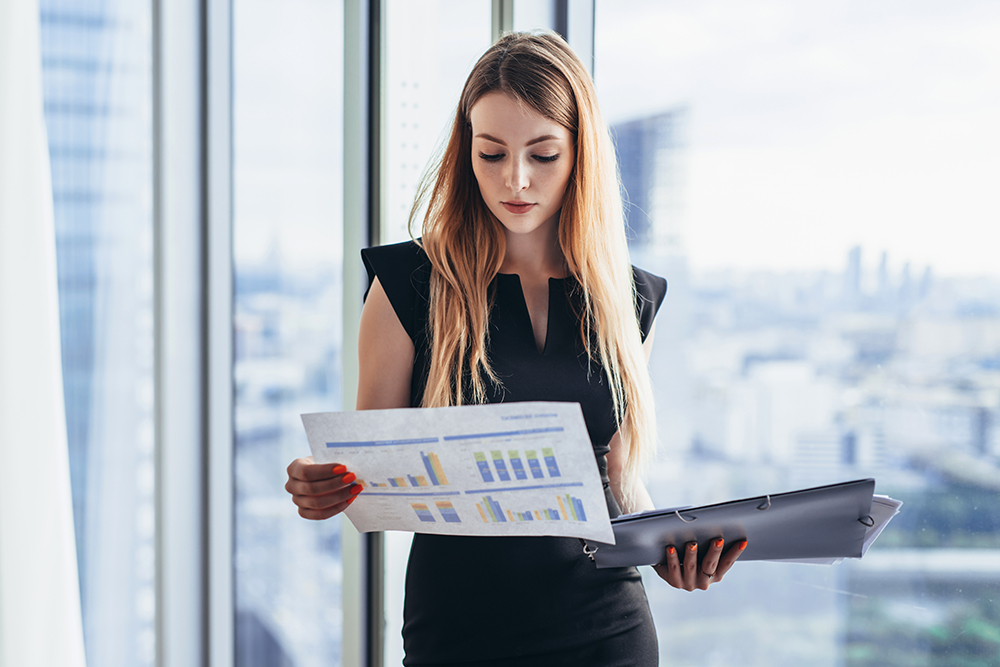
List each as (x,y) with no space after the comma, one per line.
(526,313)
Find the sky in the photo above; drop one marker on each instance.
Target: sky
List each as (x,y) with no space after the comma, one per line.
(811,127)
(815,127)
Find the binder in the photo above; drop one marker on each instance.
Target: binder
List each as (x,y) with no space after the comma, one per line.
(825,522)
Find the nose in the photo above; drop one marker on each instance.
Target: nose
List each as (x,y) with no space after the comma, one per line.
(517,175)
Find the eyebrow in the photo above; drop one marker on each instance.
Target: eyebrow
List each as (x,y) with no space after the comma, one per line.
(537,140)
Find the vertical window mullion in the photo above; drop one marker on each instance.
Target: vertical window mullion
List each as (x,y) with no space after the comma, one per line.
(219,433)
(363,77)
(179,333)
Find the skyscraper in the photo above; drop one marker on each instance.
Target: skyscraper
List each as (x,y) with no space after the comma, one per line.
(650,156)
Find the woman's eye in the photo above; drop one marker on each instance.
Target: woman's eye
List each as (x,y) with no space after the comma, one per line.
(491,158)
(546,158)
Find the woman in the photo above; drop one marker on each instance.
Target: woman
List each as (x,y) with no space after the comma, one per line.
(520,290)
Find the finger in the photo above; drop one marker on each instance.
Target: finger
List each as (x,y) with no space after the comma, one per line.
(690,566)
(327,500)
(728,558)
(710,563)
(670,571)
(304,469)
(319,515)
(318,488)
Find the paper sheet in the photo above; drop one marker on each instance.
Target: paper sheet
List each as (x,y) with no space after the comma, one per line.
(503,469)
(883,509)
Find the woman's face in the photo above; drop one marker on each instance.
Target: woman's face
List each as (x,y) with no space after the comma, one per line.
(522,162)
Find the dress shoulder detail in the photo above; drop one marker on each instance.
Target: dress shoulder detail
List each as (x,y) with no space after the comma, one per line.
(649,292)
(403,270)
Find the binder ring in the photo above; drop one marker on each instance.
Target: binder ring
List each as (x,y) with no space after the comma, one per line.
(765,505)
(691,520)
(867,520)
(589,550)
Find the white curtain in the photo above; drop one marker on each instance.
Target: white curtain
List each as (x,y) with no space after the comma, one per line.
(40,620)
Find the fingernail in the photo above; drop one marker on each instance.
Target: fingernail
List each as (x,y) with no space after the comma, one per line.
(719,542)
(353,498)
(355,490)
(671,550)
(743,545)
(692,547)
(349,477)
(339,470)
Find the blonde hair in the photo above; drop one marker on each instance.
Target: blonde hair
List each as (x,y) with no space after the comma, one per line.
(466,244)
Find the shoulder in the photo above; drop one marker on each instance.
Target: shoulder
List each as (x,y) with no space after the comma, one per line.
(394,260)
(650,289)
(403,270)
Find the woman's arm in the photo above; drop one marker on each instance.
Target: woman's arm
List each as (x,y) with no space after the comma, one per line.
(385,365)
(687,575)
(385,355)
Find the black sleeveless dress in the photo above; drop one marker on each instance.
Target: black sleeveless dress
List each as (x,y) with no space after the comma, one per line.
(520,600)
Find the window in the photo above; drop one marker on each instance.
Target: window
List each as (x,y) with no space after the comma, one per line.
(812,181)
(288,259)
(97,78)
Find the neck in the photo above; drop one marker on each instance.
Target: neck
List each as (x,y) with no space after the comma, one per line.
(536,254)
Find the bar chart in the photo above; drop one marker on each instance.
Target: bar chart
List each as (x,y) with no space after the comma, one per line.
(423,512)
(515,468)
(432,465)
(447,511)
(445,507)
(565,508)
(502,467)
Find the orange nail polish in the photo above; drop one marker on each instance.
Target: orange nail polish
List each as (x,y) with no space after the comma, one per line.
(719,542)
(743,545)
(355,490)
(671,550)
(349,477)
(339,470)
(692,547)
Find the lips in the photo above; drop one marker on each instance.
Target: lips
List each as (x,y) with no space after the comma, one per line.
(517,206)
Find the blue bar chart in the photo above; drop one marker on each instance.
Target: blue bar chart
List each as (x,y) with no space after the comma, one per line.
(550,461)
(536,468)
(516,465)
(448,512)
(423,512)
(484,467)
(502,468)
(565,508)
(445,507)
(432,465)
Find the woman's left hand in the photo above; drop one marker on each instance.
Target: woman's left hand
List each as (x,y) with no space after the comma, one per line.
(690,575)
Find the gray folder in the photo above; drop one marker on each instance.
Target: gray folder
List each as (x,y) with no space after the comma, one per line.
(822,522)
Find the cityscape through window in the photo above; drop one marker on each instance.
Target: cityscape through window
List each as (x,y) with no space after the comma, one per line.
(814,181)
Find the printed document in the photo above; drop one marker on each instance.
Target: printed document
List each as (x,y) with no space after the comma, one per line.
(501,469)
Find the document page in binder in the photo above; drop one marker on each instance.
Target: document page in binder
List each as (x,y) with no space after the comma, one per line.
(502,469)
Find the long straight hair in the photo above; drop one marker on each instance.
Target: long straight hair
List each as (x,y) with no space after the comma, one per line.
(466,244)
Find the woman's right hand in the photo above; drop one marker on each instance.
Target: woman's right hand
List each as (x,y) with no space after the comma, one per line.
(320,490)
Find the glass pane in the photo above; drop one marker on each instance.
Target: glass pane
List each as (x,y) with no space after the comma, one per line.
(432,46)
(97,78)
(534,15)
(424,78)
(816,181)
(288,119)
